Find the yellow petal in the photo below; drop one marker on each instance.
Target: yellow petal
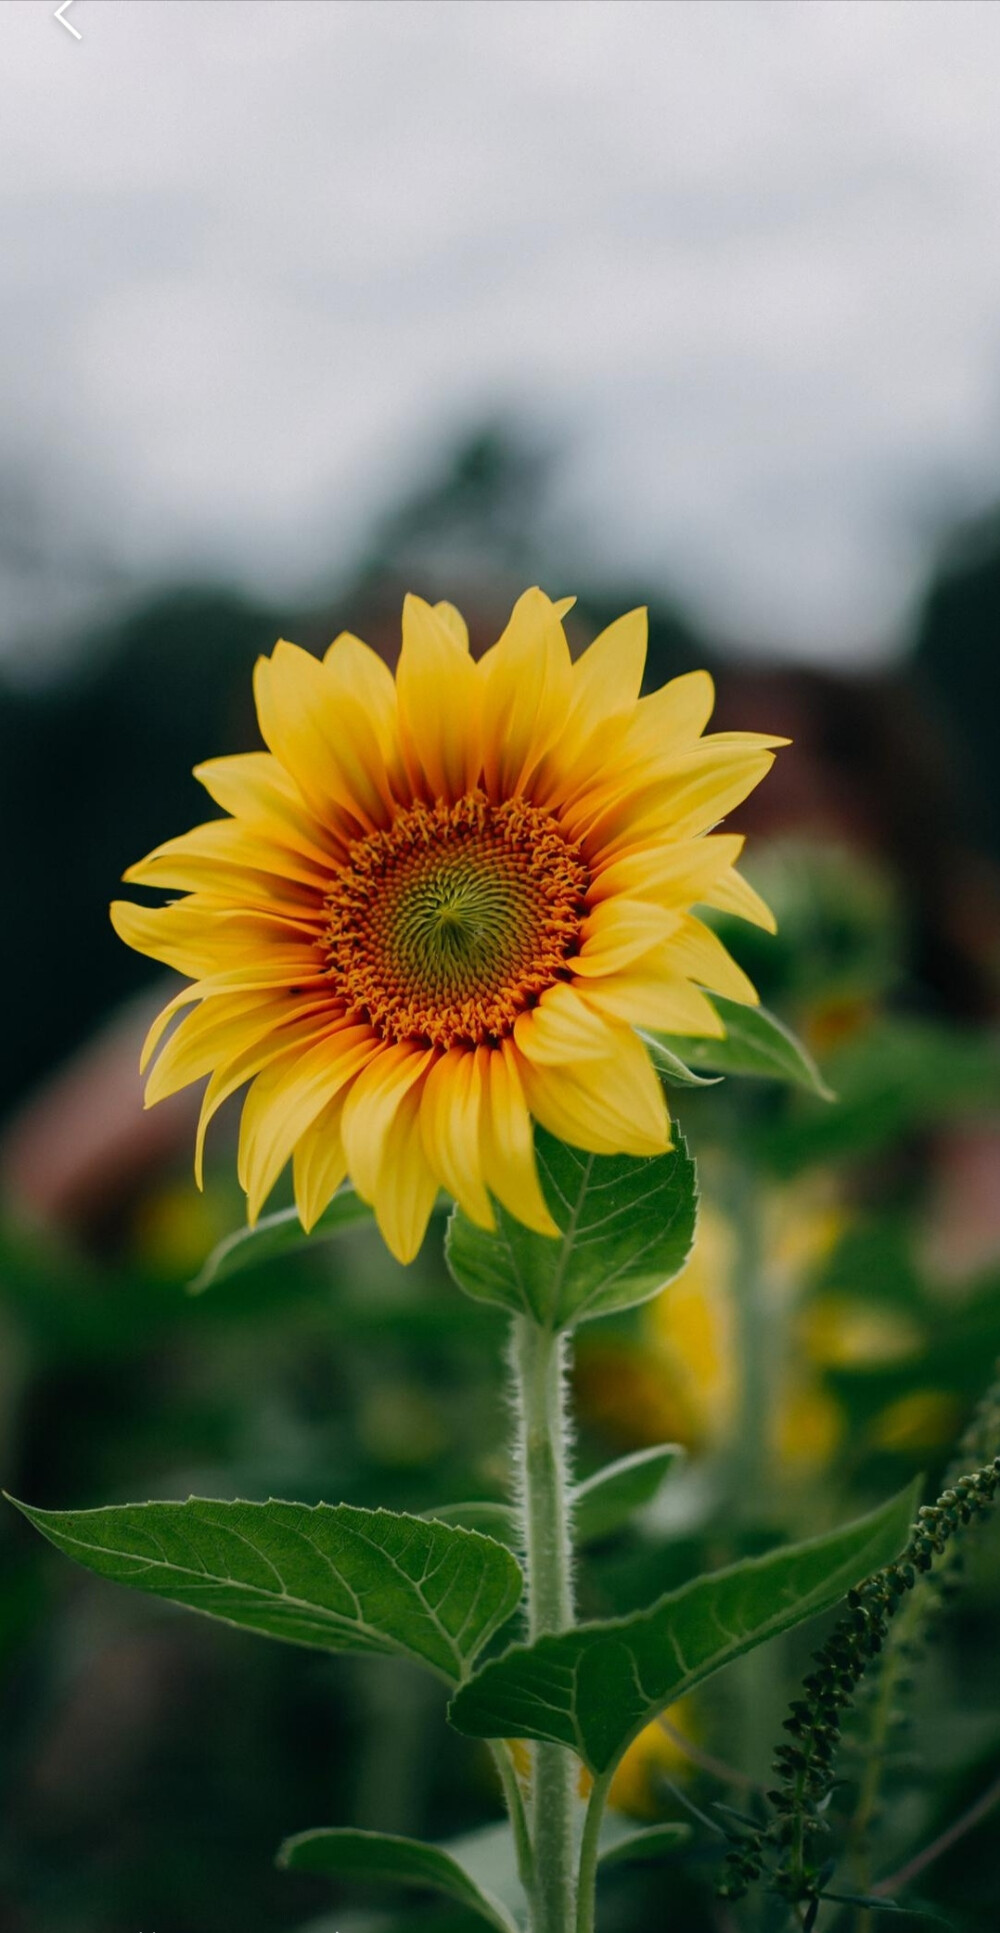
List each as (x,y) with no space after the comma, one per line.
(197,939)
(699,953)
(607,678)
(223,851)
(371,1108)
(185,998)
(364,679)
(508,1143)
(673,716)
(654,994)
(288,920)
(285,1100)
(619,931)
(734,894)
(450,1109)
(673,873)
(701,790)
(609,1107)
(319,1163)
(256,789)
(405,1188)
(438,689)
(526,688)
(578,777)
(650,767)
(604,686)
(285,1044)
(215,1032)
(363,675)
(279,969)
(324,738)
(561,1028)
(453,622)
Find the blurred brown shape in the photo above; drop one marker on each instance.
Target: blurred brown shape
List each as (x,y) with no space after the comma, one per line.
(79,1153)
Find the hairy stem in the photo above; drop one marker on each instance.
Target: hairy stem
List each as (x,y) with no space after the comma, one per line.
(538,1359)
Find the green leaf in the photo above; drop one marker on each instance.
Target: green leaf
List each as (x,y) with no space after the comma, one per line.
(627,1228)
(275,1236)
(489,1856)
(342,1853)
(331,1576)
(628,1844)
(596,1688)
(606,1501)
(755,1043)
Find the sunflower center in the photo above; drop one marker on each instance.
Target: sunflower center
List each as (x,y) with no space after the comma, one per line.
(451,923)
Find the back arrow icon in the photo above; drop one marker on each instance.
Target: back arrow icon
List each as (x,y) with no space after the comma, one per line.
(70,29)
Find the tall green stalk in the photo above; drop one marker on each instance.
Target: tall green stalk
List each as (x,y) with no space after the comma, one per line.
(542,1452)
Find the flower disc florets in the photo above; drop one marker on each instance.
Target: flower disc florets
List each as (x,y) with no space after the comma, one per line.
(446,927)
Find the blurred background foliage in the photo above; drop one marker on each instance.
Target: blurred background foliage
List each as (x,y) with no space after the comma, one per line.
(830,1336)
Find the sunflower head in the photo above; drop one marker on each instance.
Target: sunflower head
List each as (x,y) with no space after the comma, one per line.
(440,905)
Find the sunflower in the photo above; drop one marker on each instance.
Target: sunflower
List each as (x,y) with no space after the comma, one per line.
(441,905)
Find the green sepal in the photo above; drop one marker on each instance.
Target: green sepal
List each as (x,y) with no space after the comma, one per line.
(756,1043)
(329,1576)
(672,1070)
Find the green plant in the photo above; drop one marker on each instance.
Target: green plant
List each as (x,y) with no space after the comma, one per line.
(497,1625)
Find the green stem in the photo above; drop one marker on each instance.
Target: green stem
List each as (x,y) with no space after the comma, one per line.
(589,1850)
(749,1448)
(538,1358)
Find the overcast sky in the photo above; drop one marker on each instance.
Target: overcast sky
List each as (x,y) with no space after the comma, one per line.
(260,258)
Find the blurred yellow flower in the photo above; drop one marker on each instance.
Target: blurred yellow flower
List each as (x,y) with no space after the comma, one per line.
(924,1419)
(634,1788)
(440,906)
(690,1329)
(802,1226)
(807,1426)
(681,1379)
(173,1228)
(842,1332)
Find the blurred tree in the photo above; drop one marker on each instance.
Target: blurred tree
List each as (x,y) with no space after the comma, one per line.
(92,769)
(957,662)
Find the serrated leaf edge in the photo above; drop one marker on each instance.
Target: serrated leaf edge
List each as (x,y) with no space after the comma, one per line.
(39,1519)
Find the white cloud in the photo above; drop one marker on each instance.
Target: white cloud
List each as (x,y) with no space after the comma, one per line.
(744,254)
